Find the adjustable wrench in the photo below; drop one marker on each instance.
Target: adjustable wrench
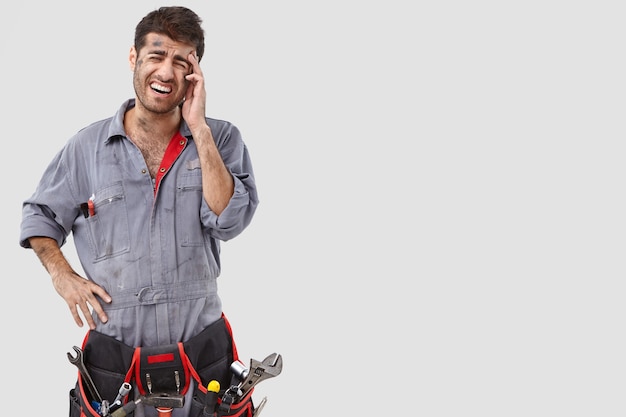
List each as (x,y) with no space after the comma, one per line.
(259,371)
(270,367)
(80,364)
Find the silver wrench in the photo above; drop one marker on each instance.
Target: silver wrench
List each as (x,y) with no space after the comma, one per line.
(80,364)
(259,371)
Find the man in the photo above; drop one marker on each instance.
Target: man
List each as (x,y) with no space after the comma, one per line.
(148,195)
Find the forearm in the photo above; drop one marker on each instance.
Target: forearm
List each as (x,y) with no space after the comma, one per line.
(50,255)
(79,293)
(217,182)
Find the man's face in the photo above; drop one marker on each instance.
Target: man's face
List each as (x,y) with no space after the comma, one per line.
(159,71)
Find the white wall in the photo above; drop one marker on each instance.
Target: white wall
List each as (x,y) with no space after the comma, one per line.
(441,224)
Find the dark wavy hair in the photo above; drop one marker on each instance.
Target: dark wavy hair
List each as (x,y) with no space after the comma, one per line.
(177,22)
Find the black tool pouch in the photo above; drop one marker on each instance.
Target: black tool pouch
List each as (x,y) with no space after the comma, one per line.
(242,408)
(206,353)
(161,374)
(108,362)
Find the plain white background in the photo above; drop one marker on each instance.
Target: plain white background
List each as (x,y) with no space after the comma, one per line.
(441,229)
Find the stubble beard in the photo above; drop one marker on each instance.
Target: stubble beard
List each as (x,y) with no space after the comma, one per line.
(159,107)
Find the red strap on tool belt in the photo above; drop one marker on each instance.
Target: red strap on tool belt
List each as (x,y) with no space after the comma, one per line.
(162,369)
(161,373)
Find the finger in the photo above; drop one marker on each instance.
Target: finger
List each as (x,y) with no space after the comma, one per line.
(196,85)
(189,92)
(97,308)
(100,292)
(87,314)
(195,64)
(193,78)
(76,316)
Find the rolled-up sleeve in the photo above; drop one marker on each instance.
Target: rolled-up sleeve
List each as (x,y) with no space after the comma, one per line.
(50,211)
(236,216)
(241,208)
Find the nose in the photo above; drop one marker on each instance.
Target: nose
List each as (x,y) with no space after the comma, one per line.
(165,72)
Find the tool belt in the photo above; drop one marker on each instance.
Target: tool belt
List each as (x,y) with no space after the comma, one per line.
(162,375)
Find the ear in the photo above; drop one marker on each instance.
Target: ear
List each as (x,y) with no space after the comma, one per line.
(132,58)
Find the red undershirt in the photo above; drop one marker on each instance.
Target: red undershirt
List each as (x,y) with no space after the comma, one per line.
(174,149)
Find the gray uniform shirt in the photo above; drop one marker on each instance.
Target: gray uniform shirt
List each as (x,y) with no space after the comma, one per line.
(156,253)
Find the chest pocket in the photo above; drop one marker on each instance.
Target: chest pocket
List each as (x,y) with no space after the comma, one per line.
(108,225)
(188,202)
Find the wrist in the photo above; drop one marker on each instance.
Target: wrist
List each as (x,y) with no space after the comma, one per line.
(202,135)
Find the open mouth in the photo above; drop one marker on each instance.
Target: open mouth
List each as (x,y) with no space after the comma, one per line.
(160,88)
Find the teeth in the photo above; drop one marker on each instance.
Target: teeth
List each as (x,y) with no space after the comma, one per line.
(160,88)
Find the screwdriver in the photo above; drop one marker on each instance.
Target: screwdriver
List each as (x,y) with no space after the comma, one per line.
(213,388)
(126,409)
